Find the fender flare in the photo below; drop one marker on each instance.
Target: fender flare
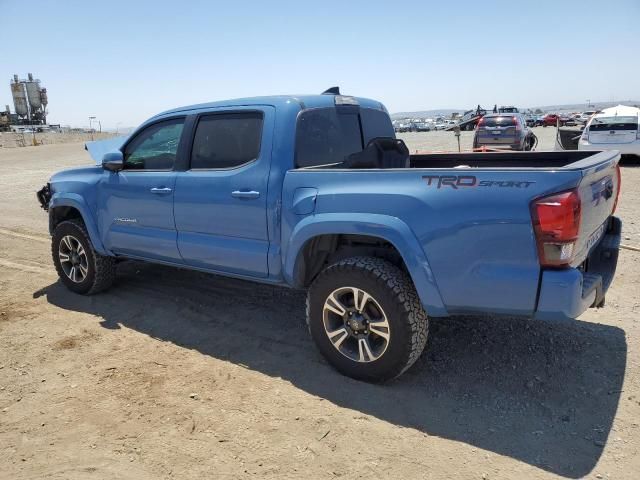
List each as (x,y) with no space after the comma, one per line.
(388,228)
(78,202)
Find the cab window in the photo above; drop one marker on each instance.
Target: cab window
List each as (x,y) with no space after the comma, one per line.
(227,140)
(155,147)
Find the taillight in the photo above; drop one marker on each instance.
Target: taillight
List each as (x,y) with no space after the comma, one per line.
(585,134)
(515,122)
(480,122)
(619,175)
(556,222)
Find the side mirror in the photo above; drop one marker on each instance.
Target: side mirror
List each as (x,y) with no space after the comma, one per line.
(113,161)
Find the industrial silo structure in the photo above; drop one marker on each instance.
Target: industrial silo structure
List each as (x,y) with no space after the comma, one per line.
(30,100)
(33,93)
(19,94)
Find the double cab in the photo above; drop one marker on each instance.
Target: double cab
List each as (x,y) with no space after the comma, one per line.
(315,192)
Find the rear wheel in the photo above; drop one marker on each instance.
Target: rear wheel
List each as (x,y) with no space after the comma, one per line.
(366,319)
(79,266)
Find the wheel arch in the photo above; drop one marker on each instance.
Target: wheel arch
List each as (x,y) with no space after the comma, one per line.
(70,206)
(317,240)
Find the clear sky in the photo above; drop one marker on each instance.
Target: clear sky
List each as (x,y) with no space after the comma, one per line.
(124,61)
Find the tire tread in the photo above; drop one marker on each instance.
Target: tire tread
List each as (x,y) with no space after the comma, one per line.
(104,267)
(404,293)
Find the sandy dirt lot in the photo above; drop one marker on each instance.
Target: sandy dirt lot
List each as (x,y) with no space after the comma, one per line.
(446,141)
(176,374)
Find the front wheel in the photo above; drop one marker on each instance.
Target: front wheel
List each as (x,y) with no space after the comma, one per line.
(365,317)
(79,266)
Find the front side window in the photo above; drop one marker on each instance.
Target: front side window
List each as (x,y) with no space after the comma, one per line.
(155,147)
(227,140)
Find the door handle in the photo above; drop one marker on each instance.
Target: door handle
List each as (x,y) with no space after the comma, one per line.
(245,194)
(161,190)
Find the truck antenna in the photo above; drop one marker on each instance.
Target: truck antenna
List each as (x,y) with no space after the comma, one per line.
(332,91)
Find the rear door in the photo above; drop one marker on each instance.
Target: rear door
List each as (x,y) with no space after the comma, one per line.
(616,129)
(220,200)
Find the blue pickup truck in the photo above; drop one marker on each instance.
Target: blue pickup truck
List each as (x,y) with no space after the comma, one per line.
(315,192)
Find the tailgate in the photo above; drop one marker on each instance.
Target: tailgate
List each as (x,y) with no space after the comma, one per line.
(598,192)
(613,136)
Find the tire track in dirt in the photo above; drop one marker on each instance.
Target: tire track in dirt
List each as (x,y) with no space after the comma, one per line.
(25,268)
(12,233)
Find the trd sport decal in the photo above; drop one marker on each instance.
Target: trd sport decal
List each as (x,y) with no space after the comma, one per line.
(465,181)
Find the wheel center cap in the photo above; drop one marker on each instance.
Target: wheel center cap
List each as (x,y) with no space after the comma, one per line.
(356,323)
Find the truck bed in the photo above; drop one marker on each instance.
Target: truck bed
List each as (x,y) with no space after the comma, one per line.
(470,212)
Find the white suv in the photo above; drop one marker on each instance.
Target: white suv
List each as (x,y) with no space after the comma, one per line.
(615,128)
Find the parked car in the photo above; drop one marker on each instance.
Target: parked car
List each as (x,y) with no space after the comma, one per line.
(422,127)
(551,120)
(613,128)
(509,109)
(584,117)
(314,192)
(402,127)
(503,131)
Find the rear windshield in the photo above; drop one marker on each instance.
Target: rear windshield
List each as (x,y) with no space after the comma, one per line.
(498,121)
(330,135)
(614,123)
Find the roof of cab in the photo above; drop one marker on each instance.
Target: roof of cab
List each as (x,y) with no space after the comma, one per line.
(305,101)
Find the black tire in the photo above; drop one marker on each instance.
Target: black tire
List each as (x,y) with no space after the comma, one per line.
(101,270)
(393,290)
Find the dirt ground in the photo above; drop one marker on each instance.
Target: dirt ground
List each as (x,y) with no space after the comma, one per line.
(176,374)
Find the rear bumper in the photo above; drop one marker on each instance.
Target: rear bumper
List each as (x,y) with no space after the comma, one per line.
(631,148)
(566,294)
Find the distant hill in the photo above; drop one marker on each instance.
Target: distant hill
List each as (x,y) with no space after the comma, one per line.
(569,107)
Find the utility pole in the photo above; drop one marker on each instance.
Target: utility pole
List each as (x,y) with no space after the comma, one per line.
(90,127)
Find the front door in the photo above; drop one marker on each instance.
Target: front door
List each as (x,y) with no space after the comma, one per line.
(220,200)
(137,213)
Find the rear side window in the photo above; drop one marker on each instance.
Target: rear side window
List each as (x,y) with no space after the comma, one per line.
(614,123)
(499,121)
(227,140)
(324,135)
(375,123)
